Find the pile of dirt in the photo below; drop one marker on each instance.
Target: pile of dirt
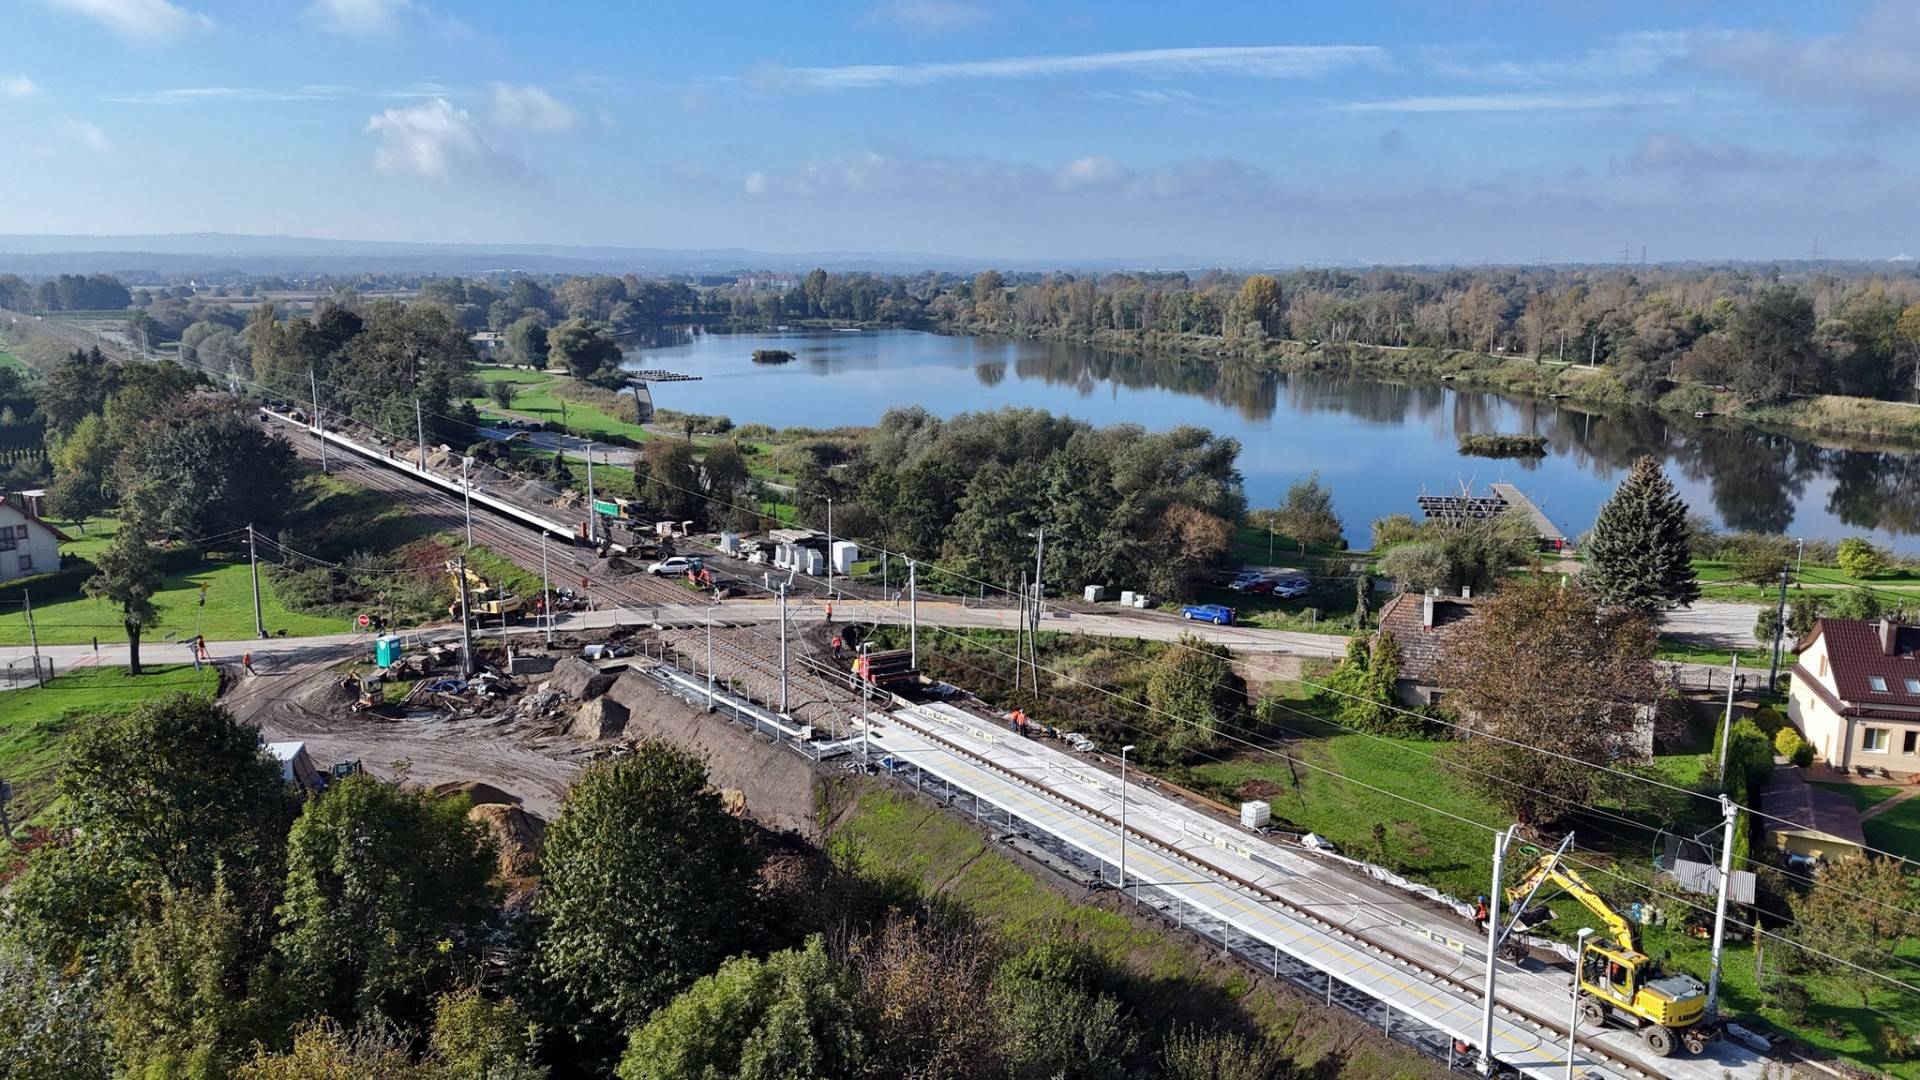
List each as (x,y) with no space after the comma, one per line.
(477,792)
(579,680)
(601,718)
(517,835)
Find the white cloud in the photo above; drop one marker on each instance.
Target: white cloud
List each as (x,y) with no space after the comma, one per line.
(1621,56)
(90,136)
(931,15)
(1088,172)
(1249,61)
(17,86)
(529,107)
(187,95)
(434,139)
(138,19)
(1544,102)
(360,17)
(878,172)
(756,183)
(1870,64)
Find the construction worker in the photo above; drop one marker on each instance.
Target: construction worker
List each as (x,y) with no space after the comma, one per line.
(1480,910)
(829,613)
(246,663)
(837,645)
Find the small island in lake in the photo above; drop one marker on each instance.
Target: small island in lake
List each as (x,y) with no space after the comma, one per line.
(771,356)
(1495,445)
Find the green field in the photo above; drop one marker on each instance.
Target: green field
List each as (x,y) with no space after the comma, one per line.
(1896,830)
(227,615)
(35,721)
(538,402)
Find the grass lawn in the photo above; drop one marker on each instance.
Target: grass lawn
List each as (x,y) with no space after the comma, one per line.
(1687,652)
(538,401)
(7,359)
(1898,829)
(227,616)
(1717,583)
(35,721)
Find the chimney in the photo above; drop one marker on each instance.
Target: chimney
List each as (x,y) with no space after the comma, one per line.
(1889,630)
(1426,608)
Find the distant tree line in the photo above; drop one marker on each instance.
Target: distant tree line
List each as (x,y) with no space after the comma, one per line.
(67,292)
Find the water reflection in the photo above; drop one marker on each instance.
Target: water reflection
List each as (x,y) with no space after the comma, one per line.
(1378,442)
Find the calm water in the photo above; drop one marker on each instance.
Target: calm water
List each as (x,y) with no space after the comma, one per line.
(1379,445)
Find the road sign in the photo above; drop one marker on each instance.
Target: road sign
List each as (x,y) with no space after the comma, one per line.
(364,622)
(602,506)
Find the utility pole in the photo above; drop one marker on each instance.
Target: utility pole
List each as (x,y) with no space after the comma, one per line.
(783,648)
(546,587)
(319,421)
(829,547)
(1732,815)
(253,562)
(709,657)
(1779,632)
(466,623)
(466,491)
(1020,636)
(34,636)
(1726,722)
(913,614)
(1495,904)
(420,432)
(1039,553)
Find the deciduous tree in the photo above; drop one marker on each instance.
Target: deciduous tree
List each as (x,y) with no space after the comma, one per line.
(1557,690)
(127,575)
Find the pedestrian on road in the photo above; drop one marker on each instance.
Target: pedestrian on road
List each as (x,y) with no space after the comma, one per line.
(200,644)
(195,655)
(246,663)
(96,646)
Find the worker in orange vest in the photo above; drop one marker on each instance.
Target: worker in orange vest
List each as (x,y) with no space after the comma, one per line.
(829,613)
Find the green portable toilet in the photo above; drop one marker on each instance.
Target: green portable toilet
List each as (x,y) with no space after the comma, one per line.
(386,650)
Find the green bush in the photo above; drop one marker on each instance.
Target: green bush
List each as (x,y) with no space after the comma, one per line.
(1859,558)
(1770,719)
(1788,744)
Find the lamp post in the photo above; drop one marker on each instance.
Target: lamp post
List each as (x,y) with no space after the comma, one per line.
(1573,1019)
(1123,818)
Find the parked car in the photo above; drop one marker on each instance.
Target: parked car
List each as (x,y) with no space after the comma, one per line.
(1289,588)
(674,564)
(1246,581)
(1217,614)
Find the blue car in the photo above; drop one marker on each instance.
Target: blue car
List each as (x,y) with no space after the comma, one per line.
(1217,614)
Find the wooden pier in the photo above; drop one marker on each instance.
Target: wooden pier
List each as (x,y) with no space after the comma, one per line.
(1505,497)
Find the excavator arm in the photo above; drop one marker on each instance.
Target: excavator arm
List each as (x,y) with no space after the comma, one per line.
(1549,870)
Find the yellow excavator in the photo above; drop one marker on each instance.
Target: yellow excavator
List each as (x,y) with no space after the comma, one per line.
(1619,984)
(490,604)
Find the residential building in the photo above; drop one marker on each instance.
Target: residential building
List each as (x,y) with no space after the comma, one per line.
(1422,627)
(28,546)
(1856,694)
(1806,821)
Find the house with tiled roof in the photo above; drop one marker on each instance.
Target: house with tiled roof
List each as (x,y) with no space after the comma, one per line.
(1856,693)
(1422,628)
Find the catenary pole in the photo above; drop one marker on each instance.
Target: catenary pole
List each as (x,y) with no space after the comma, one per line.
(466,491)
(783,648)
(829,547)
(546,587)
(1123,818)
(1494,907)
(420,432)
(253,563)
(1573,1018)
(593,516)
(709,657)
(913,614)
(1732,815)
(319,421)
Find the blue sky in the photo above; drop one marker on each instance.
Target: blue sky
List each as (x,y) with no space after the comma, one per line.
(1466,131)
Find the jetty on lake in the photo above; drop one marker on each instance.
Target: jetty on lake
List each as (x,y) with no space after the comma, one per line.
(1505,497)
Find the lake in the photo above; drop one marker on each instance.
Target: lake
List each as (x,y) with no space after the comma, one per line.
(1379,445)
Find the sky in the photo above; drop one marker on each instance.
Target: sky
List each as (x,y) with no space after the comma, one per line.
(1274,132)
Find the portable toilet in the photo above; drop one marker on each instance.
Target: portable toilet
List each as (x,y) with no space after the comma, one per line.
(1095,593)
(386,650)
(814,564)
(845,554)
(730,543)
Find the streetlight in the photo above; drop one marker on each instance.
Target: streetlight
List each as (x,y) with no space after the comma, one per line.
(1123,818)
(1573,1020)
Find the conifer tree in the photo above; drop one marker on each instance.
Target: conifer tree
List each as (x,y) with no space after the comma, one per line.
(1640,556)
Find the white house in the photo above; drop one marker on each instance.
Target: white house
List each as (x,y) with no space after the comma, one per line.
(1856,693)
(28,546)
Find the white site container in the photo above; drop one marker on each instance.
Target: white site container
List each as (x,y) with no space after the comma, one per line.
(845,554)
(1095,593)
(1126,598)
(812,563)
(1140,600)
(1256,814)
(663,528)
(730,543)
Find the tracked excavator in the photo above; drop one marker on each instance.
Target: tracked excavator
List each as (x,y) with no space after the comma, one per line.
(1619,984)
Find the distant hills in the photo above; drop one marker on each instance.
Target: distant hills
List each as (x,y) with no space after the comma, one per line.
(215,253)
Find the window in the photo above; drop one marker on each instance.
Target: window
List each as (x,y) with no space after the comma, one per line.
(7,542)
(1874,739)
(1877,683)
(1913,686)
(20,531)
(26,562)
(1907,743)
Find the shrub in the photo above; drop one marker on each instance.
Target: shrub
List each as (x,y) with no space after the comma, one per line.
(1859,558)
(1788,744)
(1770,719)
(1792,999)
